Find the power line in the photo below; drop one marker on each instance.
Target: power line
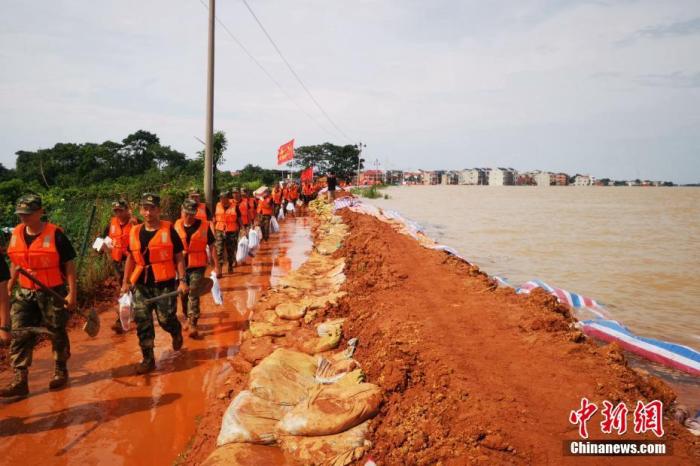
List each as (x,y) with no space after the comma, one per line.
(267,73)
(291,70)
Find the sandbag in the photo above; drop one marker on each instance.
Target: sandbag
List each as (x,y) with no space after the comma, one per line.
(290,207)
(126,310)
(242,250)
(216,289)
(255,350)
(284,377)
(331,409)
(328,450)
(280,214)
(250,419)
(290,311)
(244,454)
(274,226)
(261,329)
(320,344)
(253,240)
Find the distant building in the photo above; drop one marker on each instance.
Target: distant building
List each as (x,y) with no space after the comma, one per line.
(525,179)
(393,177)
(584,180)
(472,176)
(371,177)
(561,179)
(544,179)
(412,177)
(432,177)
(450,177)
(501,177)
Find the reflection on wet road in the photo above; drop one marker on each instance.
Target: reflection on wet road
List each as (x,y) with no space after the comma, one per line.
(110,416)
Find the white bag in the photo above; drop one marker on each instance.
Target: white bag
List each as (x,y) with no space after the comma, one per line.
(98,244)
(300,203)
(290,207)
(253,239)
(126,310)
(242,251)
(274,226)
(216,289)
(280,215)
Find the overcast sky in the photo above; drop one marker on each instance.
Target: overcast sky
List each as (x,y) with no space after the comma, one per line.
(609,88)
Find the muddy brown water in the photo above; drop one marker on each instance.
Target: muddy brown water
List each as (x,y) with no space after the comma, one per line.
(111,416)
(637,250)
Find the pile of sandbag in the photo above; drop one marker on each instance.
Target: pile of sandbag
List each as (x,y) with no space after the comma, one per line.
(302,397)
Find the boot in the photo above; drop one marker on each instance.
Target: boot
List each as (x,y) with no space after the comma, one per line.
(18,387)
(194,333)
(117,327)
(60,376)
(220,271)
(148,363)
(177,341)
(230,268)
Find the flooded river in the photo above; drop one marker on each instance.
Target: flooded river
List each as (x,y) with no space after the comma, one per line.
(110,416)
(637,250)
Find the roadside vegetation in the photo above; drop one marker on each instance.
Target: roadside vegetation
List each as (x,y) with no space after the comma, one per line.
(371,192)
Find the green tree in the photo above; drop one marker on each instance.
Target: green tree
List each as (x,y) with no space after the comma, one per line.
(327,157)
(220,144)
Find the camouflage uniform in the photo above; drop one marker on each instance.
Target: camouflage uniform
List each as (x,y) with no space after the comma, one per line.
(34,308)
(226,242)
(166,313)
(194,279)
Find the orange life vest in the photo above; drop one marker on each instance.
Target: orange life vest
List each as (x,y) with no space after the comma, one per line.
(307,189)
(201,212)
(277,196)
(160,253)
(196,250)
(41,258)
(265,206)
(293,193)
(251,208)
(226,218)
(120,238)
(243,209)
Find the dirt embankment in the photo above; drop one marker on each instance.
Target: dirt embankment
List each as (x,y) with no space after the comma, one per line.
(475,374)
(471,374)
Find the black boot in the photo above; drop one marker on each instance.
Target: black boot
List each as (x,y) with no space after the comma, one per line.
(149,361)
(18,387)
(177,341)
(60,376)
(193,331)
(117,327)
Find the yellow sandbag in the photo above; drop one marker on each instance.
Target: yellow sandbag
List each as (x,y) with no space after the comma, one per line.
(244,454)
(250,419)
(317,345)
(255,350)
(262,329)
(331,409)
(328,450)
(290,311)
(284,377)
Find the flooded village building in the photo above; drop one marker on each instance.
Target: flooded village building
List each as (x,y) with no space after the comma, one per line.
(501,176)
(473,176)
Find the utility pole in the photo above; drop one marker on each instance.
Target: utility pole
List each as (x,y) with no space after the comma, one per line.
(209,149)
(359,160)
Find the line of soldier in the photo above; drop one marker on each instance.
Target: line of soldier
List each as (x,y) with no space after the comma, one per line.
(153,258)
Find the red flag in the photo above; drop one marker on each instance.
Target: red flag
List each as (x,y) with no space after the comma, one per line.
(285,153)
(308,174)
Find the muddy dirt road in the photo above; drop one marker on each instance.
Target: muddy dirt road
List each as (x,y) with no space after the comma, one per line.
(110,416)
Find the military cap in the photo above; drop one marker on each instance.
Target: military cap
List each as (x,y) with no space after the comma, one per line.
(150,199)
(225,193)
(120,204)
(194,191)
(28,204)
(189,206)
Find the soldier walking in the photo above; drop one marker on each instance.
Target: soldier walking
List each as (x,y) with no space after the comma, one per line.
(44,251)
(228,223)
(195,235)
(154,264)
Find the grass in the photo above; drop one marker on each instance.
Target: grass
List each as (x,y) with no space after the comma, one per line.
(371,192)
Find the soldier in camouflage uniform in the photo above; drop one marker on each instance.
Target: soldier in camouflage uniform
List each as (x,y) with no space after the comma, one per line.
(196,235)
(154,264)
(43,250)
(227,224)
